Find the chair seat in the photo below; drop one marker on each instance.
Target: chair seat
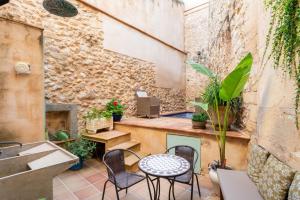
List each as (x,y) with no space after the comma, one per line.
(126,179)
(185,178)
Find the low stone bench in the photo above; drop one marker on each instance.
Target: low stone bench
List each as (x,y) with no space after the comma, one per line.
(266,178)
(236,185)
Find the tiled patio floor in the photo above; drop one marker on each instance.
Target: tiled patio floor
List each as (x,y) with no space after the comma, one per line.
(88,184)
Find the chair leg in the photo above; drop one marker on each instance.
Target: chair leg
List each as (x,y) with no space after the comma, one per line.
(192,188)
(104,190)
(117,193)
(198,185)
(126,190)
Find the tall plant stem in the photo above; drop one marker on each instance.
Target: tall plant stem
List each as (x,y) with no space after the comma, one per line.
(223,136)
(216,108)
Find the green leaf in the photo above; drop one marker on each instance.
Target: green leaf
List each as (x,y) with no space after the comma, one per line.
(202,69)
(204,106)
(234,83)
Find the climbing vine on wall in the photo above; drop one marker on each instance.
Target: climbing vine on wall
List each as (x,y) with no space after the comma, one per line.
(284,38)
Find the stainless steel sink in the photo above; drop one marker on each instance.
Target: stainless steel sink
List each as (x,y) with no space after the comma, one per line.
(27,172)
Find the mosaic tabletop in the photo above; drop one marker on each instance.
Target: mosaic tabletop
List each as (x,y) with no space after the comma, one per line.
(164,165)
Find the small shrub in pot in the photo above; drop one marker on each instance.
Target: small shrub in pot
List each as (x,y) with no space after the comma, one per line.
(116,108)
(83,149)
(199,120)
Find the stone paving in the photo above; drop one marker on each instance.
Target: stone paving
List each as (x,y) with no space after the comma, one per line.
(87,184)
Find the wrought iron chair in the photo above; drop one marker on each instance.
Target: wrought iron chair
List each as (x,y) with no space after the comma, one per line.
(117,175)
(191,155)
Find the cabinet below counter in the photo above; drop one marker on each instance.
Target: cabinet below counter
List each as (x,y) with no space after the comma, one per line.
(156,135)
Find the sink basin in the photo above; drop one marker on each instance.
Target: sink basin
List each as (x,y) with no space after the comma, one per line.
(28,172)
(16,150)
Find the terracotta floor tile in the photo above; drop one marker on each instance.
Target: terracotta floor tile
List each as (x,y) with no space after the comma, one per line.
(98,197)
(65,196)
(86,192)
(88,172)
(88,183)
(96,177)
(100,184)
(59,189)
(76,185)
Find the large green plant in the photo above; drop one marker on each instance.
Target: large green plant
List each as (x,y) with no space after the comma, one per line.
(212,89)
(284,38)
(82,148)
(230,88)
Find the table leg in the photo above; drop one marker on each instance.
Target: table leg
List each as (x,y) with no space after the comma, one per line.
(172,183)
(158,188)
(148,179)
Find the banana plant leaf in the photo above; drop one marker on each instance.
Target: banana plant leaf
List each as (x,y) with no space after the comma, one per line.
(234,83)
(202,69)
(204,106)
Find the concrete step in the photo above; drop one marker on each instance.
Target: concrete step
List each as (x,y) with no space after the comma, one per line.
(109,138)
(132,145)
(131,162)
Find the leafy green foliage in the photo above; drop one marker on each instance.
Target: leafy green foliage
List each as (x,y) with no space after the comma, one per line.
(204,106)
(114,106)
(202,69)
(201,117)
(234,83)
(61,136)
(82,148)
(211,94)
(224,93)
(284,31)
(95,113)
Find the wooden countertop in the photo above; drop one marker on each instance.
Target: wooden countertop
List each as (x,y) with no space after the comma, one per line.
(177,125)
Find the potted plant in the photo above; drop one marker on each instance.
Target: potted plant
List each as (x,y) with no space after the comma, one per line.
(211,94)
(199,120)
(116,108)
(230,88)
(83,149)
(98,119)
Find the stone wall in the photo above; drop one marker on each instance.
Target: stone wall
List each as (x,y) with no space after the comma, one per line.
(196,46)
(235,28)
(77,67)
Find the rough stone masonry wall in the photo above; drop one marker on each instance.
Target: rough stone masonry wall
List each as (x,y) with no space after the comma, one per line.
(235,28)
(196,45)
(77,67)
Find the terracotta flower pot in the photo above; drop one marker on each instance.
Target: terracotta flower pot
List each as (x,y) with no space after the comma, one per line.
(214,118)
(199,125)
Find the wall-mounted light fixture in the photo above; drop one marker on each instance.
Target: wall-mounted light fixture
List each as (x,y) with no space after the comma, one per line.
(22,68)
(2,2)
(60,8)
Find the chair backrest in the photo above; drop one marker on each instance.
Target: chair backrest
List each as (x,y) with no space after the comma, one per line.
(114,162)
(186,152)
(141,93)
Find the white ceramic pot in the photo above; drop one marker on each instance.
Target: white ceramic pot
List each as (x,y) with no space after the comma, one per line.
(214,179)
(213,176)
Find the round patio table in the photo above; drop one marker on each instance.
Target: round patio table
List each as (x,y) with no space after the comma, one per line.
(162,166)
